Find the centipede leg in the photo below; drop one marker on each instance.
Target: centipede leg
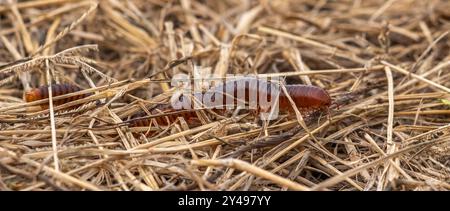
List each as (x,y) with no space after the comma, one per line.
(328,114)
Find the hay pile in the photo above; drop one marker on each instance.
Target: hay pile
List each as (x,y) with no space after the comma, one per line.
(385,62)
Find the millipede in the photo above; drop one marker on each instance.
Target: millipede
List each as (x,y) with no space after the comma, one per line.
(41,93)
(307,98)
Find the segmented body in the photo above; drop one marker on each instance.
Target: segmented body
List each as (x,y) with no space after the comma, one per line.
(306,98)
(57,90)
(139,119)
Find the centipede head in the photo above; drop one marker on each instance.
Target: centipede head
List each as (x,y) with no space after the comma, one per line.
(32,95)
(335,104)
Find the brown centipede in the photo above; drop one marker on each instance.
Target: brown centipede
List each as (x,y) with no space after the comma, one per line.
(306,98)
(41,93)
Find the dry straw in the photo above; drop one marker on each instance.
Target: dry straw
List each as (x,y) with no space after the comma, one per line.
(386,63)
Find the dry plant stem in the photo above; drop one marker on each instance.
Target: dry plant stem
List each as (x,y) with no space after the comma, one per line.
(418,77)
(297,113)
(381,10)
(38,3)
(295,37)
(66,30)
(180,134)
(385,63)
(334,180)
(296,143)
(326,48)
(378,149)
(50,35)
(24,77)
(244,166)
(52,117)
(58,175)
(391,146)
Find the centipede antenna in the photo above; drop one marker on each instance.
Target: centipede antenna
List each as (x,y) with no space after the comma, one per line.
(171,65)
